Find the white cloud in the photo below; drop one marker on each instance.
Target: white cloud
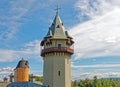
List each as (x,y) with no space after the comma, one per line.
(7,55)
(33,48)
(30,49)
(6,70)
(94,8)
(90,70)
(90,75)
(99,70)
(99,36)
(96,66)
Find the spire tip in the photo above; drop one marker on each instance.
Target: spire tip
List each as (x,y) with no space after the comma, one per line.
(57,8)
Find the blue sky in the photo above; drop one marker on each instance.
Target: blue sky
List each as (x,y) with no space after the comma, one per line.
(94,25)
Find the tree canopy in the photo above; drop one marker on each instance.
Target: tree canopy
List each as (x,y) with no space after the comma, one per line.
(96,83)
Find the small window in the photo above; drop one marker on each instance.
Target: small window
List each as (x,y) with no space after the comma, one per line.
(58,73)
(59,46)
(26,63)
(58,26)
(48,85)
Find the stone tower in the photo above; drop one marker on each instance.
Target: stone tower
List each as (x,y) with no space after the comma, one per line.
(56,53)
(21,71)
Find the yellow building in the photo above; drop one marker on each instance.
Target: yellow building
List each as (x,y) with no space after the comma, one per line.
(21,71)
(56,53)
(21,76)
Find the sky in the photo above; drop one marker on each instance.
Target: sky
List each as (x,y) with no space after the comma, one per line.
(93,24)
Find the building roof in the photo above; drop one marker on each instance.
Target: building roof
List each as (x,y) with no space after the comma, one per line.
(24,84)
(57,29)
(22,63)
(3,84)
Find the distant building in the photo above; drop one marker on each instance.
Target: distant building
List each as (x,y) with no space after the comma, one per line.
(31,78)
(11,77)
(21,76)
(56,53)
(21,71)
(4,82)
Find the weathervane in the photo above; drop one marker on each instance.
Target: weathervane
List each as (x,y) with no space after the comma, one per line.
(57,8)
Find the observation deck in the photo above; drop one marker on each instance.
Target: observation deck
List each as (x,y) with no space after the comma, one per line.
(56,49)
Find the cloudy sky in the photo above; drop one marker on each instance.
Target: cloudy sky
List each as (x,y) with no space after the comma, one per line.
(94,25)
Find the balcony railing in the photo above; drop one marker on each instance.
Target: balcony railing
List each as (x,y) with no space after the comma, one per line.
(56,49)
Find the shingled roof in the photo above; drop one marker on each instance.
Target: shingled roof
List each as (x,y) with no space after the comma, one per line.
(57,29)
(24,84)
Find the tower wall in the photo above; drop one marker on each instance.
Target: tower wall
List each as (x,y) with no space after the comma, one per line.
(57,70)
(21,74)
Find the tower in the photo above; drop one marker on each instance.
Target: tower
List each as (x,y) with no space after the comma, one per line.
(56,53)
(11,77)
(21,71)
(21,76)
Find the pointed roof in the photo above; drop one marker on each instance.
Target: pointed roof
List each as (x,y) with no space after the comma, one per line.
(22,63)
(49,33)
(57,29)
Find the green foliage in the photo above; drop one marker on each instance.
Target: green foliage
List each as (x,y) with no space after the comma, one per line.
(96,83)
(39,78)
(36,78)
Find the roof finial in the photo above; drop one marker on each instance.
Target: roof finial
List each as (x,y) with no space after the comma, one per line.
(22,58)
(57,8)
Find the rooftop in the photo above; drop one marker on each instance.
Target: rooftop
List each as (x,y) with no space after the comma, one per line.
(22,63)
(24,84)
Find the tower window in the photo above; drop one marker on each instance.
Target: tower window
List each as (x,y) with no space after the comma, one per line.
(58,26)
(59,46)
(58,73)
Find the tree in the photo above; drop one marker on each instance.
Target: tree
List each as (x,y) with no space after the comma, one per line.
(95,81)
